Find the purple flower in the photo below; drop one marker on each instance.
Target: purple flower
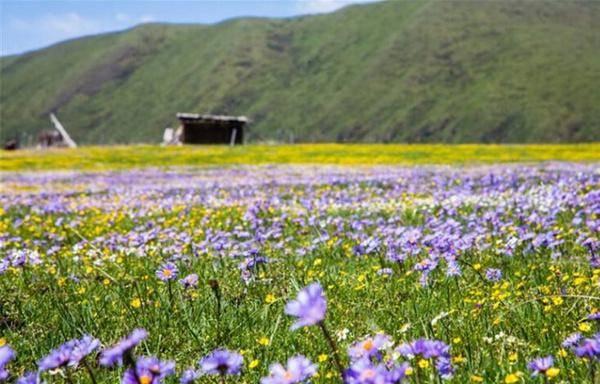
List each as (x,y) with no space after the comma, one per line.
(363,371)
(589,348)
(298,369)
(369,347)
(540,365)
(594,316)
(70,353)
(189,376)
(430,349)
(494,275)
(6,355)
(167,272)
(309,307)
(571,340)
(190,281)
(29,378)
(115,354)
(82,348)
(148,370)
(222,362)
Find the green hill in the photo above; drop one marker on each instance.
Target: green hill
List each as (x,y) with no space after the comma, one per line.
(401,71)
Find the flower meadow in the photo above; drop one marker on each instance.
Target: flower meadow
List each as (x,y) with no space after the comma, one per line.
(302,274)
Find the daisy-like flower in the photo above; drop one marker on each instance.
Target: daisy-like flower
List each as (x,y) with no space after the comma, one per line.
(29,378)
(190,281)
(70,353)
(369,348)
(115,354)
(589,348)
(364,371)
(571,340)
(6,355)
(297,370)
(430,349)
(309,307)
(148,370)
(494,275)
(189,376)
(540,365)
(222,362)
(167,271)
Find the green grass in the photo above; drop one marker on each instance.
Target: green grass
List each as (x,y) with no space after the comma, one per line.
(539,301)
(397,71)
(123,157)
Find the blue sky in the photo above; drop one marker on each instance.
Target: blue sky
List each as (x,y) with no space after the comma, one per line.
(28,25)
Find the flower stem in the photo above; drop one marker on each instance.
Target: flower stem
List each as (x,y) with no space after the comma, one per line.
(334,349)
(90,371)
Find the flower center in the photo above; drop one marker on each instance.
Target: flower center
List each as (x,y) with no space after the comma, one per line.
(145,379)
(368,345)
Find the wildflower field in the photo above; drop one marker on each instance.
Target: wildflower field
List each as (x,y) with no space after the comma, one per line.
(280,274)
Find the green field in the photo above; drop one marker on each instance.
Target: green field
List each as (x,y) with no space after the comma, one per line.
(123,157)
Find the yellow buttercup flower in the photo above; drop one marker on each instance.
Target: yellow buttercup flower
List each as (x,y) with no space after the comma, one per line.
(552,372)
(136,303)
(511,379)
(423,363)
(264,341)
(322,358)
(253,364)
(270,298)
(476,379)
(585,327)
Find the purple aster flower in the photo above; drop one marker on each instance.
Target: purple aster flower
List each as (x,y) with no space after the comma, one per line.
(594,316)
(430,349)
(494,275)
(148,370)
(82,348)
(571,340)
(189,376)
(222,362)
(115,354)
(70,353)
(589,348)
(309,307)
(298,370)
(364,371)
(29,378)
(540,365)
(190,281)
(167,272)
(369,348)
(425,348)
(6,355)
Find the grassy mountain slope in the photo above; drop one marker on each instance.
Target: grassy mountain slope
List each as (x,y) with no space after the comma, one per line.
(416,71)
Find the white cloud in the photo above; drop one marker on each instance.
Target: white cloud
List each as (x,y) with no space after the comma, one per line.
(69,25)
(147,18)
(325,6)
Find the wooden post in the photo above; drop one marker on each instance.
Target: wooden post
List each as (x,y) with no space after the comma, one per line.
(233,134)
(62,131)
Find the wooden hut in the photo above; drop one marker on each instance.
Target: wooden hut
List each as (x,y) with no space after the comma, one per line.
(211,129)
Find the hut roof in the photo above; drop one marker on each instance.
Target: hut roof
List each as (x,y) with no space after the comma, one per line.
(199,117)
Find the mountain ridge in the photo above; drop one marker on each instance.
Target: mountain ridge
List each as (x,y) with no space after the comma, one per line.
(419,71)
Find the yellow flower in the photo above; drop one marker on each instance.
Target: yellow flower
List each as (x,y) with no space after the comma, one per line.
(2,341)
(253,364)
(477,266)
(136,303)
(264,341)
(270,298)
(409,371)
(322,358)
(423,363)
(512,378)
(585,327)
(552,372)
(562,353)
(476,379)
(456,340)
